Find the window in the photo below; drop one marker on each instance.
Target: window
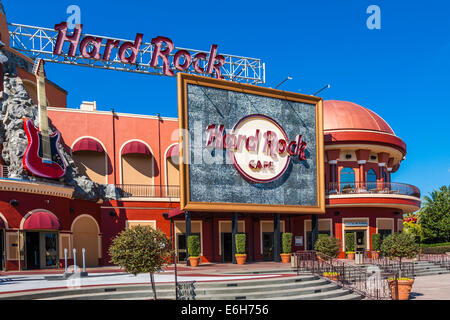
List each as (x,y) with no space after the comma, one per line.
(384,233)
(371,180)
(347,179)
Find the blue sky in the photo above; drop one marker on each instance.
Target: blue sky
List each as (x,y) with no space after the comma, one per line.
(401,71)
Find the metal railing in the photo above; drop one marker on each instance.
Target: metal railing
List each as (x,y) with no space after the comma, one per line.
(372,283)
(441,260)
(148,191)
(334,188)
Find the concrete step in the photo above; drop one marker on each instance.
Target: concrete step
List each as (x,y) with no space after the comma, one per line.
(200,292)
(305,286)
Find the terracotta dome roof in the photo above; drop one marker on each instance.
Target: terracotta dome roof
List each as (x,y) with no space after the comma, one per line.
(343,115)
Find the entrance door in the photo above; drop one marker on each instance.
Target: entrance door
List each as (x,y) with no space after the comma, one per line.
(227,246)
(361,241)
(49,257)
(32,250)
(181,247)
(267,246)
(2,250)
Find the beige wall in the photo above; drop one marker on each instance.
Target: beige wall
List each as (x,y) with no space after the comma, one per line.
(173,173)
(91,164)
(137,169)
(131,223)
(85,235)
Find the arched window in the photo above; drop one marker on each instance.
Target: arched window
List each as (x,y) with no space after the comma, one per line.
(371,180)
(347,179)
(90,159)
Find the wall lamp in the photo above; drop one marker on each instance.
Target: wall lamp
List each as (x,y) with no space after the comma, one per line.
(14,203)
(113,214)
(165,215)
(336,213)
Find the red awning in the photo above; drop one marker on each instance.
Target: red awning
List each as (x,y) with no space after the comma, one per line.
(41,221)
(136,147)
(88,144)
(174,151)
(175,212)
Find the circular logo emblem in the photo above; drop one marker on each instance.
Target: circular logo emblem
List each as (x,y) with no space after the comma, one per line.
(261,152)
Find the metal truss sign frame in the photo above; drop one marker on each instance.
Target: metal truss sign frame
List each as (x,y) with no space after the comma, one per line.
(39,43)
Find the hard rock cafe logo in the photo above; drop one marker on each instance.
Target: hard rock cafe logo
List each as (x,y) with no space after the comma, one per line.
(260,148)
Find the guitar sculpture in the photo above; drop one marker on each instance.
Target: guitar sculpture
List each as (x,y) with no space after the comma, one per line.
(42,158)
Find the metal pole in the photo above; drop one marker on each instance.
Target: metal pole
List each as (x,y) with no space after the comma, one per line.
(75,259)
(65,259)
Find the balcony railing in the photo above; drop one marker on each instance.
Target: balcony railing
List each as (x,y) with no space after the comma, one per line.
(148,191)
(372,188)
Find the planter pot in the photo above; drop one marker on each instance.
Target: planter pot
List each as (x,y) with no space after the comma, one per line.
(240,258)
(194,261)
(404,289)
(285,257)
(375,255)
(334,278)
(351,256)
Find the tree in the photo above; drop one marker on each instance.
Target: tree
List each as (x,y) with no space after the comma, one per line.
(141,249)
(287,242)
(328,246)
(400,245)
(434,217)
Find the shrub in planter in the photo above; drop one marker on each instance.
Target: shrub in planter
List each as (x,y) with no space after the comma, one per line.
(286,247)
(194,250)
(328,246)
(376,245)
(399,246)
(240,248)
(350,240)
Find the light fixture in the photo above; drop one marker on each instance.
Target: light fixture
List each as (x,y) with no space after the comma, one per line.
(288,78)
(14,203)
(113,213)
(328,86)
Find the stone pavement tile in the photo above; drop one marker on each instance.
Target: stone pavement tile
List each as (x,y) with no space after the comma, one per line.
(435,287)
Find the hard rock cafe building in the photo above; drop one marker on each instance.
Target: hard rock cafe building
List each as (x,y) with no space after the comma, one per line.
(139,154)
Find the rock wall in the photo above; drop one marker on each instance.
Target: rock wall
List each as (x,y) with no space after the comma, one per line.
(15,105)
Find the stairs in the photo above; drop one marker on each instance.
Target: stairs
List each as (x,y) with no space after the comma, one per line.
(301,287)
(425,268)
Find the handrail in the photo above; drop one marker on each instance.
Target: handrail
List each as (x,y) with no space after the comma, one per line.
(148,191)
(372,285)
(357,187)
(442,260)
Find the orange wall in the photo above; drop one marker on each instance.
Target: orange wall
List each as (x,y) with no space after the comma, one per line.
(56,97)
(99,125)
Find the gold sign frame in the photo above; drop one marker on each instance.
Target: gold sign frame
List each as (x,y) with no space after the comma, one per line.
(185,201)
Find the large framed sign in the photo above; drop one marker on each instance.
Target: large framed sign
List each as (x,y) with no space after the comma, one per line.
(246,148)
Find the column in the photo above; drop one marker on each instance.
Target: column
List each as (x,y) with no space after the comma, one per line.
(187,217)
(234,231)
(333,176)
(213,253)
(314,229)
(276,238)
(362,175)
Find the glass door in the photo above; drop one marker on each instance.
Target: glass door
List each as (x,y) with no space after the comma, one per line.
(49,255)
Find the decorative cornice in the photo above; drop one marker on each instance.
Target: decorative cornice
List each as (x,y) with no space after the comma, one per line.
(48,189)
